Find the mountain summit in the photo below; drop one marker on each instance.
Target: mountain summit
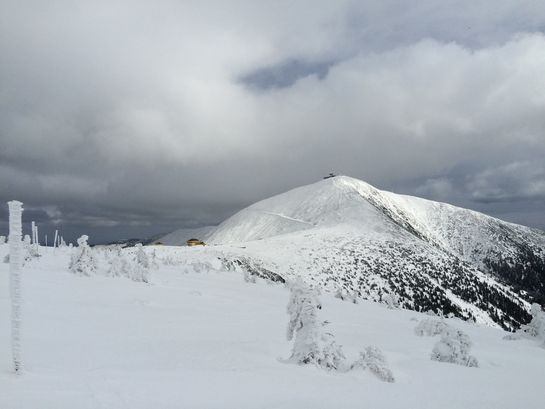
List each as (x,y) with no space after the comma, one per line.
(347,236)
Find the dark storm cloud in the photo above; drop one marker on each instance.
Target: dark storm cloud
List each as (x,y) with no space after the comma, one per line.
(285,74)
(131,118)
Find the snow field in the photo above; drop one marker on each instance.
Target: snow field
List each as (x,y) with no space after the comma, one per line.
(210,340)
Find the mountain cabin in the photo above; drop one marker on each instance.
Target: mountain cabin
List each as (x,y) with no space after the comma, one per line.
(195,242)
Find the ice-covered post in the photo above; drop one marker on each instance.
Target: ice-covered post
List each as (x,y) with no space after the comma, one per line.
(55,240)
(15,263)
(33,233)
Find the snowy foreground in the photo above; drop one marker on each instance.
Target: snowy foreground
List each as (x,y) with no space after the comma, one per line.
(208,339)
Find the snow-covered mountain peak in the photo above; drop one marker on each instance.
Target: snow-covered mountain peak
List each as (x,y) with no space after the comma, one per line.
(336,201)
(344,233)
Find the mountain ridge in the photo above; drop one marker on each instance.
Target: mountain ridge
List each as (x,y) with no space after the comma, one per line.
(344,235)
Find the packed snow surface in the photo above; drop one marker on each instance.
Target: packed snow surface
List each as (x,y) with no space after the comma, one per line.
(198,336)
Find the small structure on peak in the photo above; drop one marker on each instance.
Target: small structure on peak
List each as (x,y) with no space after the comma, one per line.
(331,175)
(195,242)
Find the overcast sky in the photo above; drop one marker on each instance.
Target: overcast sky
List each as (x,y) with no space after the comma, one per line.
(128,118)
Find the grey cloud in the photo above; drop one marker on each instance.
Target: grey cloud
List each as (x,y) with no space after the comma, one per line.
(123,118)
(285,74)
(510,182)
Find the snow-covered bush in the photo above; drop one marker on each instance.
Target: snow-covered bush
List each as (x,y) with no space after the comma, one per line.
(343,294)
(2,240)
(374,360)
(536,327)
(201,267)
(171,261)
(139,273)
(430,327)
(83,261)
(311,345)
(31,249)
(248,277)
(453,347)
(391,300)
(118,265)
(153,260)
(141,256)
(136,267)
(139,268)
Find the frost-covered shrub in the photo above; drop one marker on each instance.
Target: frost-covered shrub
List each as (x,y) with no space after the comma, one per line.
(83,261)
(343,294)
(171,261)
(2,240)
(391,300)
(453,347)
(374,360)
(118,265)
(139,268)
(248,277)
(139,273)
(311,344)
(141,256)
(153,260)
(536,327)
(31,249)
(430,327)
(135,268)
(201,267)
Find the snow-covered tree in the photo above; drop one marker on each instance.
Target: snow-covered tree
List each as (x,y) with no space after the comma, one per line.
(2,239)
(248,277)
(536,327)
(454,347)
(31,250)
(311,345)
(343,294)
(118,265)
(391,300)
(83,261)
(139,270)
(15,266)
(153,260)
(141,256)
(374,360)
(430,327)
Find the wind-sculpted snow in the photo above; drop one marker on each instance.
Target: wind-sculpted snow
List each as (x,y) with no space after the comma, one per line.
(344,234)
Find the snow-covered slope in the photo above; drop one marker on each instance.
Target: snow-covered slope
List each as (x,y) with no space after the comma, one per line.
(211,340)
(347,235)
